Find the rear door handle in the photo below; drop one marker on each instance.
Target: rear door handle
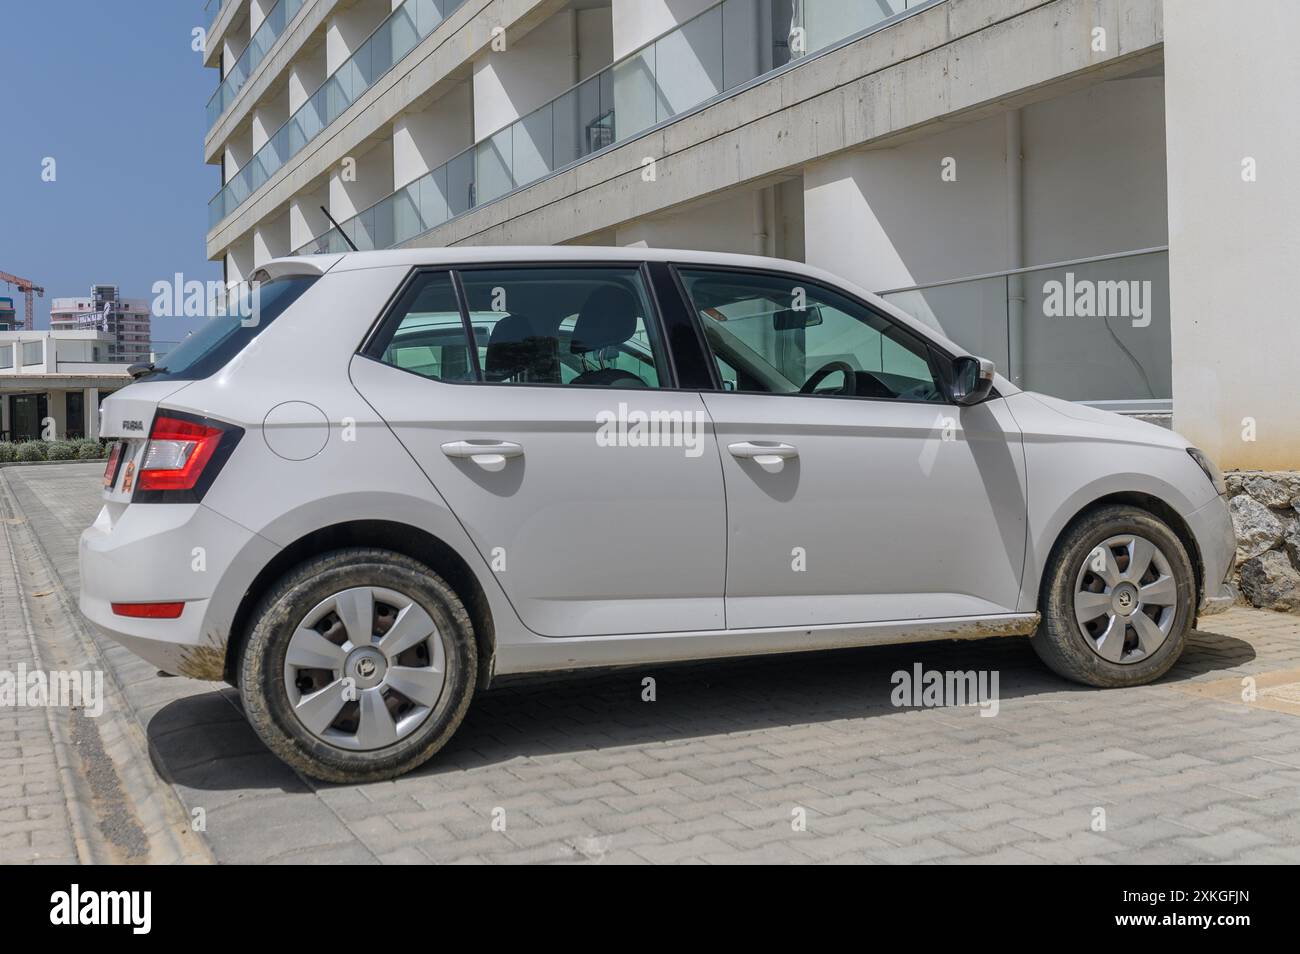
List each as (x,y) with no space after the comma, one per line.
(490,455)
(770,455)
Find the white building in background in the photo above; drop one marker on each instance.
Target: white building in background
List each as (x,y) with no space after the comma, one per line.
(1100,195)
(51,383)
(124,320)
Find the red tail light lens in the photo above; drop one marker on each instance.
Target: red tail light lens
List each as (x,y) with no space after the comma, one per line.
(177,452)
(149,610)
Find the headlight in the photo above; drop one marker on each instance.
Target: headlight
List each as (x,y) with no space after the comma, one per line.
(1207,465)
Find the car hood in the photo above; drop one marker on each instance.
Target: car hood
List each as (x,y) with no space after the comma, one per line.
(1107,424)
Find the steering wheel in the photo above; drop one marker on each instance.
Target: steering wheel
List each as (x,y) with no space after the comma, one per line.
(825,371)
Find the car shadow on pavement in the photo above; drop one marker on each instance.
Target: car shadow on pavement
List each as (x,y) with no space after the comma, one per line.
(202,741)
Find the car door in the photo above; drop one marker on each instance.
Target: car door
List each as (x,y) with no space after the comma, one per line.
(538,399)
(855,491)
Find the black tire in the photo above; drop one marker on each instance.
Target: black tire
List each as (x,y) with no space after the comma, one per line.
(1060,641)
(266,699)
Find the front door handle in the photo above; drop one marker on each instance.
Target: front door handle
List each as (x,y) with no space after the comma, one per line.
(770,455)
(490,455)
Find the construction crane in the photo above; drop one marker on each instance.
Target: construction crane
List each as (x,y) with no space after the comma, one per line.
(27,288)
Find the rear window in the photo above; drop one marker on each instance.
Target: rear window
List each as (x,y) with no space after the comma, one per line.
(220,339)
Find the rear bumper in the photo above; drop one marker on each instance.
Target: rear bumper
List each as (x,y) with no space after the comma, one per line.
(152,553)
(1212,527)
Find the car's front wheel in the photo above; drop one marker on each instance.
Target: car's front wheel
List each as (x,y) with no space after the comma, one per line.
(1118,599)
(360,666)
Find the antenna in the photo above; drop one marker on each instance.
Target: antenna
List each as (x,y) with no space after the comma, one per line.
(351,244)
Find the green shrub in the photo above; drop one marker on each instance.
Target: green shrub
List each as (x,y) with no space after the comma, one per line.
(31,450)
(90,450)
(7,452)
(61,450)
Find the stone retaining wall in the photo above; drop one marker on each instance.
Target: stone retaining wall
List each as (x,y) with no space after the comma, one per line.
(1266,515)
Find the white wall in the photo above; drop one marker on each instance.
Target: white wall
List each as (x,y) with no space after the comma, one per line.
(306,221)
(1092,184)
(271,239)
(306,73)
(515,81)
(268,117)
(732,223)
(422,141)
(1231,77)
(349,27)
(374,180)
(637,22)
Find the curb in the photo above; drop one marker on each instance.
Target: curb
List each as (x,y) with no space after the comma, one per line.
(158,808)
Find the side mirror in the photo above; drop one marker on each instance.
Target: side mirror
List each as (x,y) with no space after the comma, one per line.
(972,380)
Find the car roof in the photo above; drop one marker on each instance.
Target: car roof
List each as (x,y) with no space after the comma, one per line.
(505,254)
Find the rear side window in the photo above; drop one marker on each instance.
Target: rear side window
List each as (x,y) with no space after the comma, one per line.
(425,334)
(211,347)
(590,326)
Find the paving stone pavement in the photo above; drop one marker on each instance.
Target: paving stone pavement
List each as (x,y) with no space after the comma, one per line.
(795,759)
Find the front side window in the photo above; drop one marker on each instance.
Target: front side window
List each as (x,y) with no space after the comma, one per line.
(779,334)
(580,326)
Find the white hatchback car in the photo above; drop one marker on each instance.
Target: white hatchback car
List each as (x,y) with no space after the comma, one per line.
(419,470)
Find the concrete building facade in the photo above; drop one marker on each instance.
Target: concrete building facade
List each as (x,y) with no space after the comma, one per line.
(1096,194)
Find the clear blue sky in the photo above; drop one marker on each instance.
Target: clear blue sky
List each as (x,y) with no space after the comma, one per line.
(113,92)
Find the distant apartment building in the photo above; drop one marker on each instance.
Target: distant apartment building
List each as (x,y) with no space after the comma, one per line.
(7,315)
(1100,195)
(51,382)
(125,321)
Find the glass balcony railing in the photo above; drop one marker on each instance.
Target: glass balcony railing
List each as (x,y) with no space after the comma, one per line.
(263,39)
(1093,330)
(210,11)
(728,45)
(404,28)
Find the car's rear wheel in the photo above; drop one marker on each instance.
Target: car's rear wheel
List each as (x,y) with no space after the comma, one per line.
(1118,599)
(360,666)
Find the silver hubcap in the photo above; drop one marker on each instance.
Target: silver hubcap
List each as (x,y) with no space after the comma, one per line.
(364,668)
(1125,598)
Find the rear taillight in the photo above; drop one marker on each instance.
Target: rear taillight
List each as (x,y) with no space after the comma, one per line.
(182,456)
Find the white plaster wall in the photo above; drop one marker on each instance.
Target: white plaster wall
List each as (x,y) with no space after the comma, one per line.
(306,73)
(637,22)
(1231,76)
(510,83)
(422,141)
(306,221)
(374,180)
(271,239)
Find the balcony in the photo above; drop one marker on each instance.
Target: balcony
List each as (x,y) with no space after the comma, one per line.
(712,55)
(258,47)
(391,41)
(1094,330)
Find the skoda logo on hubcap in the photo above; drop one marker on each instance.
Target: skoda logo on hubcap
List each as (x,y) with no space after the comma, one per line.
(366,668)
(1126,599)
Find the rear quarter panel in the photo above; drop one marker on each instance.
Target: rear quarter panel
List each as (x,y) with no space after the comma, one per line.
(314,453)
